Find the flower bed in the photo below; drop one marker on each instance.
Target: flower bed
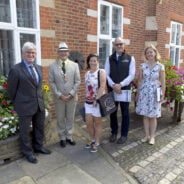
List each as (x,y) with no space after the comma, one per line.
(8,117)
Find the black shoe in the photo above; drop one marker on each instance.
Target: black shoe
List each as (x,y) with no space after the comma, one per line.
(71,142)
(42,151)
(113,138)
(32,159)
(121,140)
(63,143)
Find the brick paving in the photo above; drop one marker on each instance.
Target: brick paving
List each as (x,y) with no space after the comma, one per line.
(161,163)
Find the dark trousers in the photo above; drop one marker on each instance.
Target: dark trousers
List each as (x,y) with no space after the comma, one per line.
(125,119)
(37,132)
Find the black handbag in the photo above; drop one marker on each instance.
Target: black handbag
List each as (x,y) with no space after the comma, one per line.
(83,113)
(106,102)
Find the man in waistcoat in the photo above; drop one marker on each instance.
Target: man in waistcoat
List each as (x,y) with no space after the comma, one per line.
(120,70)
(25,91)
(64,78)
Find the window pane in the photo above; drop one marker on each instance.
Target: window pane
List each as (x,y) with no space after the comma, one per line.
(104,19)
(26,38)
(6,51)
(172,55)
(116,22)
(177,56)
(173,33)
(104,51)
(26,13)
(5,11)
(178,34)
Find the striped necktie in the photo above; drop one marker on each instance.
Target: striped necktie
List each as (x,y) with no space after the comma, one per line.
(33,74)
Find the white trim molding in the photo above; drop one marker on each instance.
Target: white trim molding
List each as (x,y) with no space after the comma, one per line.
(151,23)
(91,38)
(126,21)
(167,46)
(47,33)
(47,3)
(92,13)
(47,62)
(126,41)
(148,43)
(168,30)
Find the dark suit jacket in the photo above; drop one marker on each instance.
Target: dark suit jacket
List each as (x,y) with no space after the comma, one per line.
(23,92)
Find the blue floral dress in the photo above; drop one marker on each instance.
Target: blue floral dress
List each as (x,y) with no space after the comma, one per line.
(147,104)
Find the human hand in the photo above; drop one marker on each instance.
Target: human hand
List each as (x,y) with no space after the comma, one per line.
(63,98)
(69,97)
(117,88)
(95,103)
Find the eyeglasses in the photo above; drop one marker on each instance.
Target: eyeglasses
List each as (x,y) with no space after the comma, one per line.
(119,44)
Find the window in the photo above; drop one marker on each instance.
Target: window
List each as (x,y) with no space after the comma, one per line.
(175,42)
(19,22)
(110,26)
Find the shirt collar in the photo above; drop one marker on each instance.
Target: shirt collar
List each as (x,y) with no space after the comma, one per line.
(61,61)
(27,64)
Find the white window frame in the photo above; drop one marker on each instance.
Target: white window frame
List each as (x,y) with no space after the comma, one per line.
(12,26)
(108,37)
(174,45)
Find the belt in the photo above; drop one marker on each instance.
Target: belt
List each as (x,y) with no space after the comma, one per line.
(89,102)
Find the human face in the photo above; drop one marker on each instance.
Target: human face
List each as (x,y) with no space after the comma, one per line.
(119,46)
(29,55)
(150,54)
(93,63)
(63,55)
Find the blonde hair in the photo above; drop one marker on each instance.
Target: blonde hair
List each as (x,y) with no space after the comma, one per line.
(157,56)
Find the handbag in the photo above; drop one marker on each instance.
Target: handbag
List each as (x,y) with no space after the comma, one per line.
(83,113)
(106,102)
(158,94)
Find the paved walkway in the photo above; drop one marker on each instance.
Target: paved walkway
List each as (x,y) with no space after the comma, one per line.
(130,163)
(71,165)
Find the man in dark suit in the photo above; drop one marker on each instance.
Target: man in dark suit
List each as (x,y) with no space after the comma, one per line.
(25,92)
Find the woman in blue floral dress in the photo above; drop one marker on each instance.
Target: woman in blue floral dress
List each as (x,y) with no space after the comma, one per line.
(151,77)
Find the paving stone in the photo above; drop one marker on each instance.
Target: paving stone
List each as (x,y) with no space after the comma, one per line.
(134,169)
(46,163)
(164,181)
(68,174)
(23,180)
(150,159)
(143,163)
(10,172)
(177,171)
(170,176)
(115,154)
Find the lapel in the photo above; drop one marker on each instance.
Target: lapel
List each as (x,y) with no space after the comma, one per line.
(27,73)
(58,70)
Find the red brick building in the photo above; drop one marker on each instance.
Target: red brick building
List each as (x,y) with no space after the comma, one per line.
(90,26)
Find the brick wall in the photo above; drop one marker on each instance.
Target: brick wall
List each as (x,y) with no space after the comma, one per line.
(165,13)
(68,21)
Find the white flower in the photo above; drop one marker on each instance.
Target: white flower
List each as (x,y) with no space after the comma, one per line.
(1,124)
(12,117)
(13,130)
(10,121)
(6,126)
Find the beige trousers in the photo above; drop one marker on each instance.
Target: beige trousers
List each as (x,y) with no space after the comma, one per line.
(65,112)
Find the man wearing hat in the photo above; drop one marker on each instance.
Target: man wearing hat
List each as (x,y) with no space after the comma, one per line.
(64,78)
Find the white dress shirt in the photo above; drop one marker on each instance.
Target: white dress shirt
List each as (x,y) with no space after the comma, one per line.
(125,96)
